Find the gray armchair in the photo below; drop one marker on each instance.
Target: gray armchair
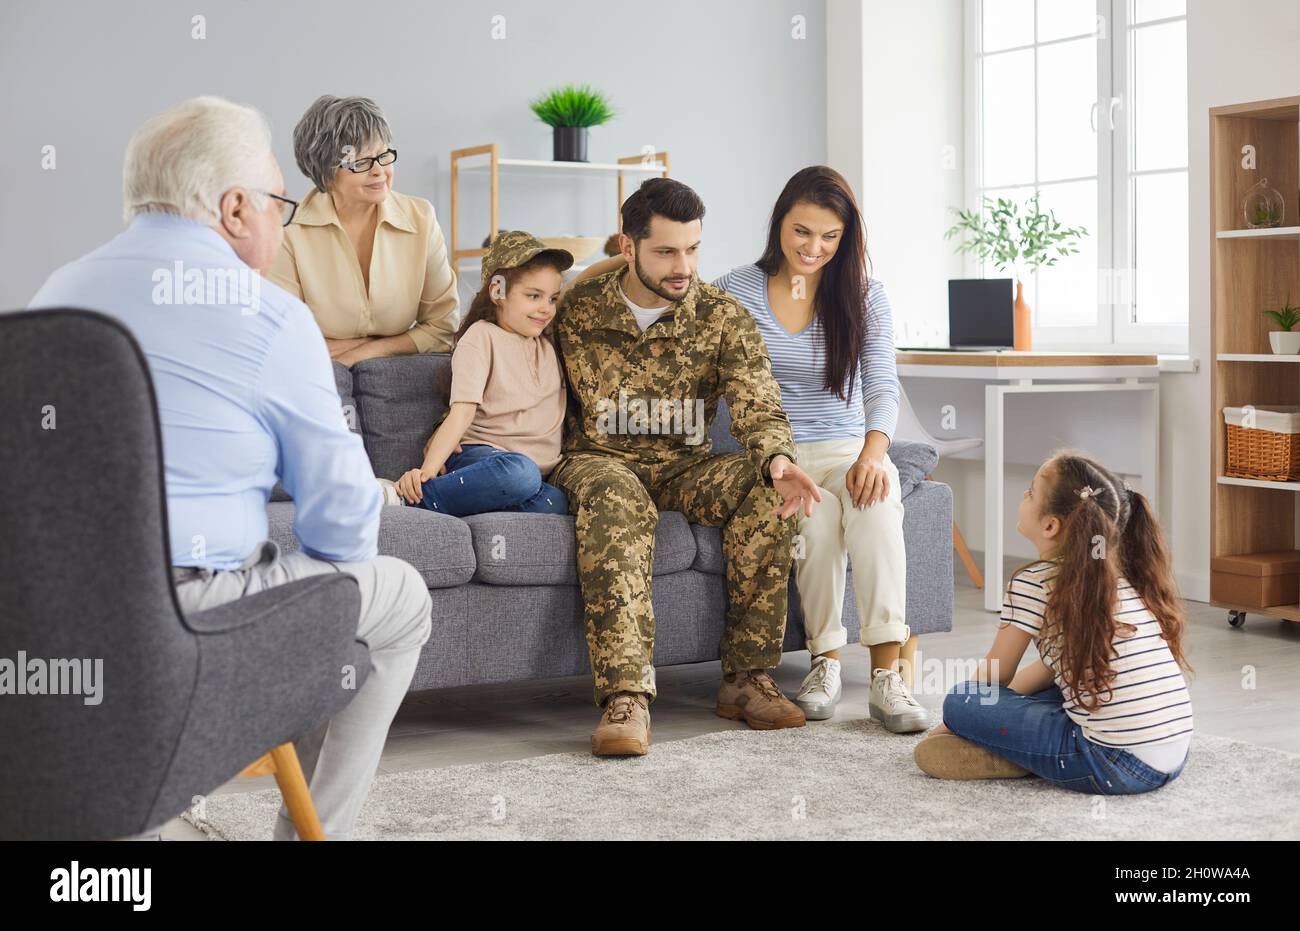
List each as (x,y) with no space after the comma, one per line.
(184,703)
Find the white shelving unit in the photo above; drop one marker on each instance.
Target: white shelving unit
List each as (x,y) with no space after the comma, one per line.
(1255,357)
(651,166)
(1258,483)
(645,163)
(1276,232)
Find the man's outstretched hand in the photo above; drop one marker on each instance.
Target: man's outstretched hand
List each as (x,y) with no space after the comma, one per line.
(794,486)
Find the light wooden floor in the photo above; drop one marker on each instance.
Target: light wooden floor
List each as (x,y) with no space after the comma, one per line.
(473,724)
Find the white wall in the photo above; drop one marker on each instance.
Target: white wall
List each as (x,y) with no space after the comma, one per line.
(844,89)
(724,85)
(894,129)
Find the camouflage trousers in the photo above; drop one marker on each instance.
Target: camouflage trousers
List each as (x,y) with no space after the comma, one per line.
(616,503)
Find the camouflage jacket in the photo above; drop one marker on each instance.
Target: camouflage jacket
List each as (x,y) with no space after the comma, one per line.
(652,396)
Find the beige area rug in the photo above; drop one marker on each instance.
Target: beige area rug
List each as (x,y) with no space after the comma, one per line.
(849,780)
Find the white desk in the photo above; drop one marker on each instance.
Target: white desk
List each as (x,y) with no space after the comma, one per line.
(1044,373)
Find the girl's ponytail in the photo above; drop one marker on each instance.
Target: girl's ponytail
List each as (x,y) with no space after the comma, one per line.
(1145,563)
(1079,619)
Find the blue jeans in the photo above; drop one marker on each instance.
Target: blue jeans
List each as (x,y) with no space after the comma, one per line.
(1034,732)
(482,478)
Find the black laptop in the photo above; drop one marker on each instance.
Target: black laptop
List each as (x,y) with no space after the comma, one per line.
(980,316)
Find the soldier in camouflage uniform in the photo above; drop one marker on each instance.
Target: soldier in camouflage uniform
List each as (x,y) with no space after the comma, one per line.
(636,442)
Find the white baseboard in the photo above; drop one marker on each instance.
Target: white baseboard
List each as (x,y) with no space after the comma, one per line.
(1193,587)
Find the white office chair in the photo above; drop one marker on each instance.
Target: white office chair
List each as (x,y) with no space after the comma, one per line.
(909,428)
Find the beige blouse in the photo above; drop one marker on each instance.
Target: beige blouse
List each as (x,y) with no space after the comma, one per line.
(516,383)
(411,279)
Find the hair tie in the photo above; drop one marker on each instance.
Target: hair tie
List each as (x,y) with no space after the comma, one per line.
(1086,492)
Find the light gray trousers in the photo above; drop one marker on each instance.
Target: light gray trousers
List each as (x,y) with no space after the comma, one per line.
(339,759)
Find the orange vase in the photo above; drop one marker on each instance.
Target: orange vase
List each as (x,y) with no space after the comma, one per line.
(1022,339)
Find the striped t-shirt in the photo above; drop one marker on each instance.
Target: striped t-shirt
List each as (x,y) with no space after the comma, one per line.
(799,365)
(1149,704)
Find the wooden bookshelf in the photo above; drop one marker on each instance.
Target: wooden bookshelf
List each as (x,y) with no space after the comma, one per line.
(1250,521)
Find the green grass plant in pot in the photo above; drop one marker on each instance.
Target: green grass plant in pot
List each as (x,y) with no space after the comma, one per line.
(1285,342)
(571,111)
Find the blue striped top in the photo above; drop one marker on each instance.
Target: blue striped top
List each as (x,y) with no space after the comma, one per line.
(799,365)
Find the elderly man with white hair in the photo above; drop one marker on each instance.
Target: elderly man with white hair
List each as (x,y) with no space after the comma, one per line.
(246,397)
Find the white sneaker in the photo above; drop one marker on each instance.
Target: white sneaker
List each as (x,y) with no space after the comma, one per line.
(391,497)
(893,705)
(821,689)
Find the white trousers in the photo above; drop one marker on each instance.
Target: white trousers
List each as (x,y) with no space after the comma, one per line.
(872,537)
(340,757)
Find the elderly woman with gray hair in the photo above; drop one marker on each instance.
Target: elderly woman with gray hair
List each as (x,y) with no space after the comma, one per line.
(371,263)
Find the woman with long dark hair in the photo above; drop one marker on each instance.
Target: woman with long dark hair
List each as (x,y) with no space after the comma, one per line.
(830,335)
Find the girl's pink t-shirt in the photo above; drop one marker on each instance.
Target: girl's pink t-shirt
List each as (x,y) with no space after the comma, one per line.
(516,383)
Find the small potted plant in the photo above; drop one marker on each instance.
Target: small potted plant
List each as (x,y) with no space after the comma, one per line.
(1018,241)
(571,111)
(1285,342)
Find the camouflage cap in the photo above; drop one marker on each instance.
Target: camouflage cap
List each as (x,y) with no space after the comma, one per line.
(511,248)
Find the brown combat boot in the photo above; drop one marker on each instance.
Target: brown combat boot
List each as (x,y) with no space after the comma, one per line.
(754,697)
(624,728)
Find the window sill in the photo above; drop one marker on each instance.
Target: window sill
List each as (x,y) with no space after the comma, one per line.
(1178,363)
(1168,361)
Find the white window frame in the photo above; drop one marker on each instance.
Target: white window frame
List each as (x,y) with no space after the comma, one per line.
(1114,327)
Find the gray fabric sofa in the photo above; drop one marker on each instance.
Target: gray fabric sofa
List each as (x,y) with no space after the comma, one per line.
(506,603)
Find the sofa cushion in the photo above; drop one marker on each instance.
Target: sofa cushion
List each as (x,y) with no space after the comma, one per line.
(914,460)
(343,383)
(399,399)
(708,550)
(535,632)
(435,544)
(540,549)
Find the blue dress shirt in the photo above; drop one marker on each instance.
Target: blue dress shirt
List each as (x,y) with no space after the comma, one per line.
(245,390)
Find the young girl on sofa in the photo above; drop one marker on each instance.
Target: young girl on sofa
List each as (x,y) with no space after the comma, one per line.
(1106,709)
(501,435)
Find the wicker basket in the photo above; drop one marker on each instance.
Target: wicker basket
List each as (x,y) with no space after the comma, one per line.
(1270,450)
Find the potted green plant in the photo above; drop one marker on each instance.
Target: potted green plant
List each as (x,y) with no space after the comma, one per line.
(1018,239)
(571,111)
(1284,341)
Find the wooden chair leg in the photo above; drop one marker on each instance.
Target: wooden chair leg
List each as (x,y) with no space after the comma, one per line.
(283,763)
(907,661)
(967,560)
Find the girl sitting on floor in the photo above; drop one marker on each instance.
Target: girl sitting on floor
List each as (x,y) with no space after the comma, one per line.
(1106,709)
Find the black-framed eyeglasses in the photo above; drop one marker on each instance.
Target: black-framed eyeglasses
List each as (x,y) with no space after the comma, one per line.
(287,207)
(356,166)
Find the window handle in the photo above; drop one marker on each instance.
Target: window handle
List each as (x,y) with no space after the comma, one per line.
(1092,116)
(1114,102)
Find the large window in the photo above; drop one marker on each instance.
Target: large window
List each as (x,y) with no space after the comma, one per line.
(1086,104)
